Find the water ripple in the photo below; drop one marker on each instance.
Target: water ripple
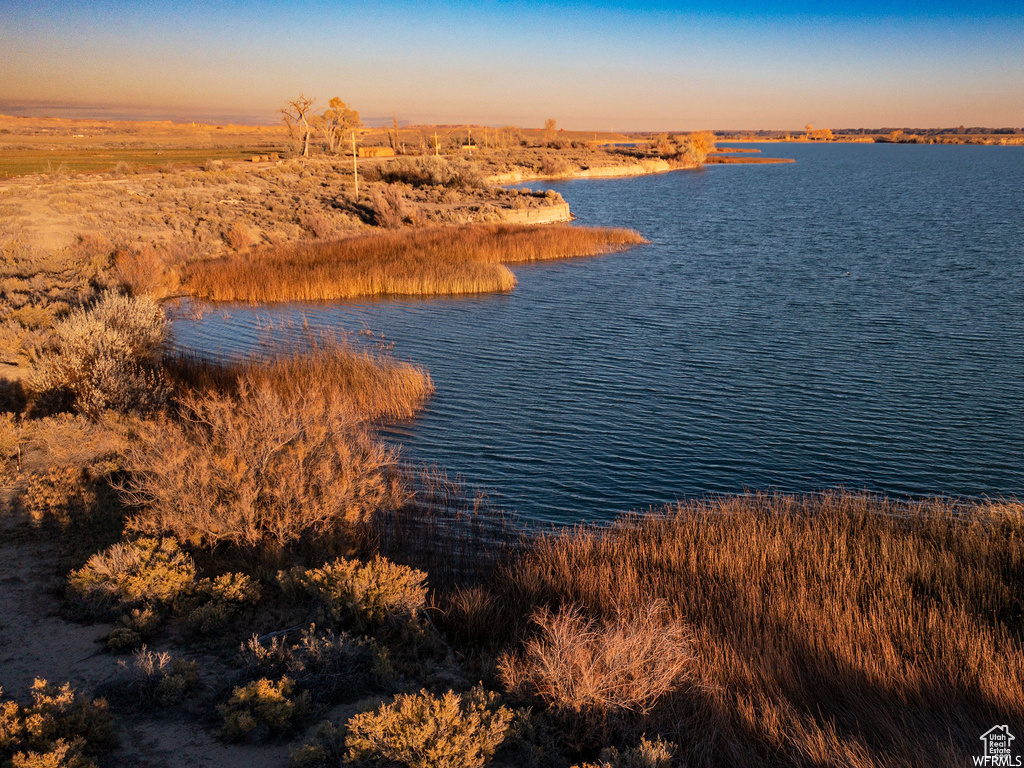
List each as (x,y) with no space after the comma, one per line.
(855,318)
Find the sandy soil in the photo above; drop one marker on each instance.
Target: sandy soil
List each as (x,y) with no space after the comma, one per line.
(35,641)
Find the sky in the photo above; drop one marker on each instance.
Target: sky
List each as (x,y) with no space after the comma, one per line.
(599,65)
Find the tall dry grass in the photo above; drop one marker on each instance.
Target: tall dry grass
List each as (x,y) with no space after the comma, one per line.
(259,471)
(369,385)
(825,630)
(440,261)
(598,676)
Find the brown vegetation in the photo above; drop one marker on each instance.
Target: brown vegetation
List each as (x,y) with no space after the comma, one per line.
(597,674)
(258,470)
(453,260)
(427,731)
(825,629)
(753,630)
(104,357)
(369,385)
(59,728)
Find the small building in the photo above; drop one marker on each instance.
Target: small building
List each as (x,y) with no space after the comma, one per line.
(376,152)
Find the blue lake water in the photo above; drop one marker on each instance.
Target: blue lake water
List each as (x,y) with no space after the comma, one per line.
(855,318)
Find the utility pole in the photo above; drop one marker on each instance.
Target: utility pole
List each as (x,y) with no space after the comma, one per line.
(436,153)
(355,165)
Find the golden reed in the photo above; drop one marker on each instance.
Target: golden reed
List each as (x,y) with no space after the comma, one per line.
(434,261)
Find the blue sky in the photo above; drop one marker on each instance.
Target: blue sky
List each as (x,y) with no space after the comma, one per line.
(597,65)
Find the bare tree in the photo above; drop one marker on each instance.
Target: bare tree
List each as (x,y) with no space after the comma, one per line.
(297,114)
(549,128)
(336,121)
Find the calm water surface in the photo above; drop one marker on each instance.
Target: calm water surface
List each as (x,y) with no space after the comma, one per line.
(855,318)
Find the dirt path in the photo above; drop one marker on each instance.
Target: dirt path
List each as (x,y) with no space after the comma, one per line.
(35,641)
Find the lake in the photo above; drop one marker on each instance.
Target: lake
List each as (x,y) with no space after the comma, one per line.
(855,318)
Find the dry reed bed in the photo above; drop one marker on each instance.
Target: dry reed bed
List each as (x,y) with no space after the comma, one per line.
(371,386)
(439,261)
(826,630)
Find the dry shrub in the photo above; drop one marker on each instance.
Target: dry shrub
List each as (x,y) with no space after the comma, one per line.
(331,667)
(59,728)
(154,679)
(646,754)
(240,236)
(93,247)
(258,471)
(106,356)
(141,582)
(362,595)
(687,150)
(149,270)
(322,225)
(261,709)
(328,364)
(441,261)
(74,440)
(432,171)
(147,571)
(21,343)
(390,209)
(427,731)
(703,143)
(135,626)
(597,674)
(216,603)
(555,165)
(325,750)
(58,495)
(826,629)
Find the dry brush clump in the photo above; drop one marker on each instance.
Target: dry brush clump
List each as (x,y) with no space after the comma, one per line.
(688,150)
(258,471)
(60,728)
(154,679)
(430,171)
(601,678)
(437,261)
(427,731)
(371,385)
(106,357)
(262,709)
(648,753)
(147,571)
(331,667)
(141,582)
(827,628)
(362,595)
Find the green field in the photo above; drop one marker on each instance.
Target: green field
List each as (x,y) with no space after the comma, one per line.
(22,162)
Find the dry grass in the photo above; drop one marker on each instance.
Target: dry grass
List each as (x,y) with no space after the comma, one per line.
(826,630)
(369,385)
(104,357)
(452,260)
(597,676)
(259,471)
(21,162)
